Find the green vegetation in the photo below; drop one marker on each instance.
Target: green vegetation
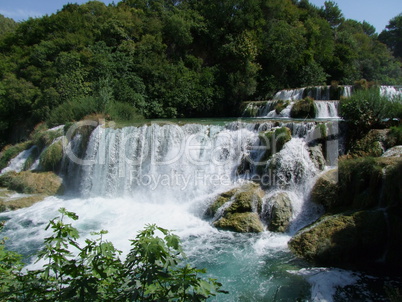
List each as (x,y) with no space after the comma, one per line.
(32,183)
(366,109)
(304,108)
(9,152)
(280,105)
(167,59)
(51,157)
(153,271)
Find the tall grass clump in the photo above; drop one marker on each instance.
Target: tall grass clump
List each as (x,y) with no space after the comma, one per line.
(367,109)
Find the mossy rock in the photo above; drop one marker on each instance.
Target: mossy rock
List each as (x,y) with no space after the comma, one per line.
(51,157)
(219,202)
(240,222)
(247,197)
(247,201)
(11,204)
(304,108)
(343,240)
(29,182)
(326,190)
(281,212)
(273,141)
(280,105)
(317,157)
(370,145)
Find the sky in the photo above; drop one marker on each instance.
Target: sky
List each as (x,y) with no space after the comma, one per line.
(376,12)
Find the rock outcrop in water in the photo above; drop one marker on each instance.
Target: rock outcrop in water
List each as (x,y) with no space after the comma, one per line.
(238,209)
(280,212)
(364,221)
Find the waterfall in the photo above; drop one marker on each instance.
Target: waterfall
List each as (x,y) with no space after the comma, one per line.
(290,94)
(391,91)
(17,163)
(327,109)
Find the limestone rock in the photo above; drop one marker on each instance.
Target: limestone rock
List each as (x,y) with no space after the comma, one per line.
(240,222)
(280,214)
(393,152)
(342,240)
(237,208)
(326,191)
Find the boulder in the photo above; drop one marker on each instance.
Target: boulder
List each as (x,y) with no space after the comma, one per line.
(245,200)
(317,157)
(247,222)
(344,240)
(280,212)
(370,145)
(326,191)
(393,152)
(304,108)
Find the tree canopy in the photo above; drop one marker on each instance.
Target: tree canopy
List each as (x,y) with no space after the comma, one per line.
(166,59)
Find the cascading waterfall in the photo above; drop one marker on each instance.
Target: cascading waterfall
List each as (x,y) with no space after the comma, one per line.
(327,109)
(168,175)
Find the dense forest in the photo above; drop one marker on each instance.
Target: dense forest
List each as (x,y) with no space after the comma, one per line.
(166,59)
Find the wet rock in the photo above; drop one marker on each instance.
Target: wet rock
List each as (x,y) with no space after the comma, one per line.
(280,213)
(240,222)
(237,208)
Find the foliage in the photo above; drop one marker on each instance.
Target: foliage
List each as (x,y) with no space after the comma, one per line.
(95,272)
(394,136)
(51,157)
(392,36)
(9,152)
(177,58)
(366,109)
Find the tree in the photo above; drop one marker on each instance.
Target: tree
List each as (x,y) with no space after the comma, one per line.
(332,13)
(392,36)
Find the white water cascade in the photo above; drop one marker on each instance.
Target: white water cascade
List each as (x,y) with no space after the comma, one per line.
(168,175)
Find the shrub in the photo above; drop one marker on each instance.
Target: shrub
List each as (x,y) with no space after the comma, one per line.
(153,270)
(365,110)
(394,136)
(304,108)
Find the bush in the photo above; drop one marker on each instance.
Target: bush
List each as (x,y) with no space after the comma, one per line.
(304,109)
(394,136)
(153,270)
(366,109)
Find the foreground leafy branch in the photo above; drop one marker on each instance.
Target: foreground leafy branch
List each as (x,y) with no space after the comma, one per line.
(153,271)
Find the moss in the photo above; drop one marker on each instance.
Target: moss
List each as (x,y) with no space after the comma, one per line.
(360,182)
(246,201)
(19,203)
(42,137)
(240,222)
(281,212)
(219,201)
(280,105)
(394,137)
(343,240)
(51,158)
(369,145)
(32,183)
(304,109)
(326,191)
(274,141)
(9,152)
